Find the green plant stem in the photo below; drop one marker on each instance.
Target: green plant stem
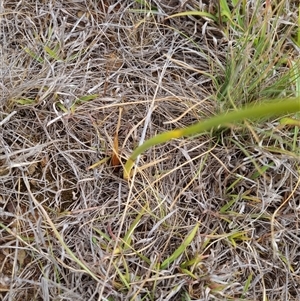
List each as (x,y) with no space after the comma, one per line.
(272,108)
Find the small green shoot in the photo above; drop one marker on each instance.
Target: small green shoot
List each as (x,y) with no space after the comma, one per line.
(53,53)
(180,250)
(261,171)
(33,55)
(146,4)
(188,273)
(76,103)
(225,12)
(25,101)
(247,284)
(236,16)
(101,162)
(236,237)
(81,100)
(224,209)
(124,278)
(128,236)
(193,262)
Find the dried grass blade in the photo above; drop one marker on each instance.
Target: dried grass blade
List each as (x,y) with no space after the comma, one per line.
(115,160)
(58,236)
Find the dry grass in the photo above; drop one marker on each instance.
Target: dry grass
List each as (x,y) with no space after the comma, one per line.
(70,230)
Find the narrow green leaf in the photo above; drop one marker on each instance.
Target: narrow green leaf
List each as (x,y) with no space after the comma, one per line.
(52,53)
(262,170)
(194,261)
(87,97)
(62,107)
(298,30)
(128,235)
(102,234)
(25,101)
(33,54)
(295,75)
(122,277)
(194,13)
(224,7)
(181,248)
(270,108)
(237,236)
(146,4)
(187,272)
(247,284)
(229,204)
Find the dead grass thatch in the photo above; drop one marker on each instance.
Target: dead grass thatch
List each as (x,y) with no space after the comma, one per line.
(70,227)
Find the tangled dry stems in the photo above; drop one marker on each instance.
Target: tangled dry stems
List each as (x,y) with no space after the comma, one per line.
(54,53)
